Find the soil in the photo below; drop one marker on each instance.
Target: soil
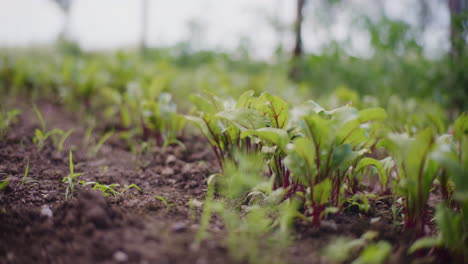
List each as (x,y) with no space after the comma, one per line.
(38,225)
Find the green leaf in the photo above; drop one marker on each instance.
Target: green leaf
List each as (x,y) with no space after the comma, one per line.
(275,136)
(274,108)
(305,109)
(374,253)
(317,129)
(244,118)
(301,159)
(341,153)
(372,114)
(245,99)
(4,183)
(70,157)
(449,224)
(322,191)
(424,243)
(207,103)
(460,127)
(211,127)
(365,162)
(40,117)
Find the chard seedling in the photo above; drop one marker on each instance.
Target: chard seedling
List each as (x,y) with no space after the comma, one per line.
(70,178)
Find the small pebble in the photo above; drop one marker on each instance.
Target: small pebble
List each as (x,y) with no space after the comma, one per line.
(195,203)
(331,224)
(171,159)
(179,227)
(46,211)
(120,256)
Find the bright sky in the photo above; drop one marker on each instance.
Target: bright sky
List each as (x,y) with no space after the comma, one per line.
(104,24)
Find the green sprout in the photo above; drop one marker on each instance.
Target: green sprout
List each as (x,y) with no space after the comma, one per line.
(4,183)
(26,173)
(6,120)
(101,142)
(109,189)
(70,178)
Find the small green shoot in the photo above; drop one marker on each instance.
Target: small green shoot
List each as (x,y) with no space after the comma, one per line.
(40,117)
(109,189)
(26,173)
(134,186)
(164,201)
(6,119)
(4,183)
(62,140)
(101,141)
(70,178)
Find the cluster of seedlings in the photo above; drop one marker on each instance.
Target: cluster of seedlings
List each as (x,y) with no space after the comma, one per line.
(324,160)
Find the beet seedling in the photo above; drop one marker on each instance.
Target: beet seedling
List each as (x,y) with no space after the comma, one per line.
(332,143)
(417,171)
(161,121)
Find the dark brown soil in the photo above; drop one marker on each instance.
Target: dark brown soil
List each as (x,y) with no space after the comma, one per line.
(38,225)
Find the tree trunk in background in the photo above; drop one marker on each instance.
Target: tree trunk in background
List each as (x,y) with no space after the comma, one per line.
(295,71)
(298,50)
(458,63)
(65,6)
(457,38)
(424,14)
(144,24)
(65,34)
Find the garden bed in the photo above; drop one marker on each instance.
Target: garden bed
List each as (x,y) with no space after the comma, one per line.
(155,225)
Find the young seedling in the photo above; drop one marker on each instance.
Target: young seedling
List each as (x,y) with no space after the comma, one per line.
(333,142)
(41,135)
(70,178)
(452,222)
(6,119)
(417,168)
(4,183)
(161,121)
(63,138)
(26,173)
(110,189)
(342,249)
(132,186)
(164,201)
(101,142)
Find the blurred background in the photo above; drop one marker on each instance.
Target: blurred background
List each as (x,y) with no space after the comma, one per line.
(353,48)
